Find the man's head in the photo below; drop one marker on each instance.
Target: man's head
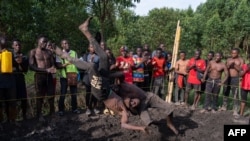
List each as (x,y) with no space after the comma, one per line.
(103,45)
(41,42)
(158,53)
(124,51)
(16,45)
(197,54)
(132,102)
(235,52)
(146,47)
(169,57)
(162,46)
(65,45)
(210,55)
(218,56)
(182,55)
(108,52)
(139,51)
(50,46)
(91,49)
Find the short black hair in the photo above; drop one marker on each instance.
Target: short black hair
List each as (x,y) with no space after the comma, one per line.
(211,52)
(221,54)
(182,52)
(236,49)
(198,50)
(159,49)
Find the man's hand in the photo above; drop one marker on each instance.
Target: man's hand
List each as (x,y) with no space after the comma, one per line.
(65,55)
(51,70)
(220,84)
(193,66)
(185,73)
(203,80)
(171,69)
(66,64)
(144,129)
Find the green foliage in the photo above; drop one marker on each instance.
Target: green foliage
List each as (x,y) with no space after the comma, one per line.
(215,25)
(28,19)
(29,78)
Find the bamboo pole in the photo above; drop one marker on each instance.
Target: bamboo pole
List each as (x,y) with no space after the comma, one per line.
(173,62)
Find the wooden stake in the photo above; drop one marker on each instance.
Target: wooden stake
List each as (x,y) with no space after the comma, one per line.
(173,62)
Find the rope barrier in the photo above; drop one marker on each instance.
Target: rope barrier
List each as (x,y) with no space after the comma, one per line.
(82,93)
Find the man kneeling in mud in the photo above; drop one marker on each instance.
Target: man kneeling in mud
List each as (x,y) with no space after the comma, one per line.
(139,101)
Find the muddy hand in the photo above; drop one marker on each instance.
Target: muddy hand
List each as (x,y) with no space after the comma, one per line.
(145,130)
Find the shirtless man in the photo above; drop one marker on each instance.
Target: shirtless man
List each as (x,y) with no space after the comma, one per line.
(210,57)
(234,65)
(138,102)
(181,73)
(214,82)
(116,104)
(42,62)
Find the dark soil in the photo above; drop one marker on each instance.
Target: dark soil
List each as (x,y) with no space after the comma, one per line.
(193,126)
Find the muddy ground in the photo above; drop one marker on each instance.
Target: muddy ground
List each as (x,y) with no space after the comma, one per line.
(80,127)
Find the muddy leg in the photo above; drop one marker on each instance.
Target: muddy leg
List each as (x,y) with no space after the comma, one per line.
(85,30)
(170,124)
(198,96)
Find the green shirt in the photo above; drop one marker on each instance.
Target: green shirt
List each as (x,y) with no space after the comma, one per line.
(69,68)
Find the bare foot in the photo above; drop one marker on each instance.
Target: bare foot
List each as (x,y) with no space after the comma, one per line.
(84,26)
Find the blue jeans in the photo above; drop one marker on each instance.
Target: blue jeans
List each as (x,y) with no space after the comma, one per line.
(73,92)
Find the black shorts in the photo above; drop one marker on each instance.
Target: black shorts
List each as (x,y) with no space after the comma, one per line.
(244,95)
(196,87)
(44,84)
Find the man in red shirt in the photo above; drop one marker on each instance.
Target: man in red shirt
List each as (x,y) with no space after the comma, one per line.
(245,89)
(195,68)
(245,86)
(125,63)
(159,69)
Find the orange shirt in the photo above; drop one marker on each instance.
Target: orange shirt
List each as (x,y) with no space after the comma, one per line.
(159,65)
(245,82)
(125,65)
(192,75)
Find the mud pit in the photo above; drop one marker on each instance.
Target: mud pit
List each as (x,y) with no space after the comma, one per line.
(193,127)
